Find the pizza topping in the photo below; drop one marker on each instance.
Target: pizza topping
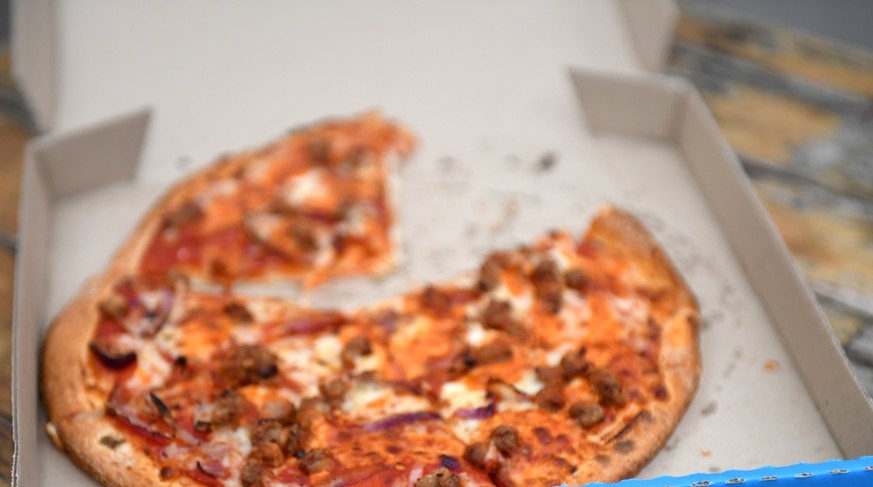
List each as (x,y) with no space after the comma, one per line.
(302,233)
(227,408)
(498,316)
(278,409)
(295,440)
(607,386)
(114,307)
(112,354)
(577,280)
(310,409)
(247,364)
(269,453)
(435,301)
(334,391)
(476,455)
(462,363)
(319,149)
(312,324)
(238,312)
(314,461)
(547,284)
(162,408)
(483,412)
(212,469)
(268,431)
(550,375)
(450,463)
(187,213)
(491,271)
(574,364)
(202,426)
(586,413)
(401,419)
(440,477)
(505,438)
(550,397)
(252,473)
(494,352)
(502,391)
(356,347)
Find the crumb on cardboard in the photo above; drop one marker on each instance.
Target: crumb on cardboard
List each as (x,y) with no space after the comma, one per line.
(771,366)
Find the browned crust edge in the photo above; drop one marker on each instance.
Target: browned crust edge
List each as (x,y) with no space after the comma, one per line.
(75,411)
(679,357)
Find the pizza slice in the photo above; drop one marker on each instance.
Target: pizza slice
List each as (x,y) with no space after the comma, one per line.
(563,361)
(312,205)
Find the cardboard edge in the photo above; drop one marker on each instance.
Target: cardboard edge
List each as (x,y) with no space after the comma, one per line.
(610,102)
(34,60)
(801,324)
(47,177)
(651,24)
(30,277)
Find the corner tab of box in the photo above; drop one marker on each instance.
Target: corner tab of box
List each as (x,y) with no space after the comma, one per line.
(651,24)
(93,156)
(631,105)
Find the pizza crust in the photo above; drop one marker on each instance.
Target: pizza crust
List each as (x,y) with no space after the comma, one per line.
(75,410)
(679,357)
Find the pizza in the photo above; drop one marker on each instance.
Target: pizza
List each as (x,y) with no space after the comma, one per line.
(563,361)
(313,205)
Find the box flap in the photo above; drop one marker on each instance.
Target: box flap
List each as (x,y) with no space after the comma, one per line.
(54,167)
(651,24)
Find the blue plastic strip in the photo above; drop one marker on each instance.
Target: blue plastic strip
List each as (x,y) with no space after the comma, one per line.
(835,473)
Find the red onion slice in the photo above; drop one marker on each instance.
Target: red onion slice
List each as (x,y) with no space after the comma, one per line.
(213,468)
(450,463)
(310,325)
(112,358)
(401,419)
(483,412)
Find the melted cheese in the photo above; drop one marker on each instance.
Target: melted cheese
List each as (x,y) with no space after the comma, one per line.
(152,369)
(529,383)
(376,401)
(476,334)
(327,350)
(459,396)
(264,225)
(305,187)
(465,429)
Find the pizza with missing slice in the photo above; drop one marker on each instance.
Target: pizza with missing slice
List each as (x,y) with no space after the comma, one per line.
(563,361)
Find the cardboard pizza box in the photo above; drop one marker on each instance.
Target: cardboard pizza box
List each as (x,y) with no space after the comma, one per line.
(774,376)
